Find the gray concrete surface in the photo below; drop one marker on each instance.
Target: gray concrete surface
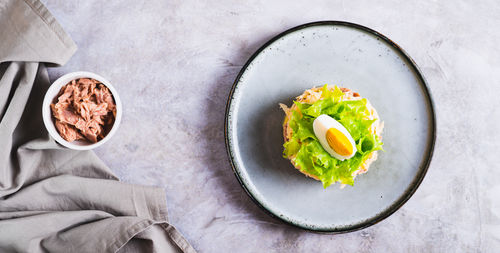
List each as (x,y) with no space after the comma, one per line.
(173,63)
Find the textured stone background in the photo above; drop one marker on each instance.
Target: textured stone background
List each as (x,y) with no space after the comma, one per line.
(173,63)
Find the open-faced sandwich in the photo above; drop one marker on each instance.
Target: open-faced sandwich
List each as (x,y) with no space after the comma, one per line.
(331,134)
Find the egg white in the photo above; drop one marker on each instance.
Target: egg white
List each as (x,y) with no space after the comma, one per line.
(321,125)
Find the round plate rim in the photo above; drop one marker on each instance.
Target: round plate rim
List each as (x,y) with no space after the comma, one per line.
(413,185)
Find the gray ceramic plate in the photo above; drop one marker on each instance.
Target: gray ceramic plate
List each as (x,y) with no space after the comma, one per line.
(348,55)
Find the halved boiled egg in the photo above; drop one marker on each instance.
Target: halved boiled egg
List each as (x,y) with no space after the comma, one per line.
(334,137)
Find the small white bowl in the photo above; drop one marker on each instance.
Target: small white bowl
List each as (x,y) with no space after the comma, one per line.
(52,93)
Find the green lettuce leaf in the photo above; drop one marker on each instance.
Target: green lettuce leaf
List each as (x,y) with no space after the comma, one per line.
(307,152)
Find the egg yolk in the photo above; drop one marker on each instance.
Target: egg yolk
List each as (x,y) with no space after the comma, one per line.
(338,142)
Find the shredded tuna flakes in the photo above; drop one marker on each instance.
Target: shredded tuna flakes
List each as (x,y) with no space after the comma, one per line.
(84,109)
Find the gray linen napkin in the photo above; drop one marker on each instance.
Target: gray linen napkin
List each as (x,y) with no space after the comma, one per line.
(54,199)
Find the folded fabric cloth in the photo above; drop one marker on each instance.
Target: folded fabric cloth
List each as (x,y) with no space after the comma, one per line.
(54,199)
